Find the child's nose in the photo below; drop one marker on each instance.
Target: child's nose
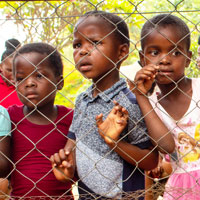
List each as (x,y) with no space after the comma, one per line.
(165,59)
(85,50)
(30,82)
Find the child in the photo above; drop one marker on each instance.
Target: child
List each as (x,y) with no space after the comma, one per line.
(165,41)
(108,164)
(5,129)
(8,95)
(40,128)
(198,52)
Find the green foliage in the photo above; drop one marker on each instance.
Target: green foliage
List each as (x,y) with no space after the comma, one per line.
(53,22)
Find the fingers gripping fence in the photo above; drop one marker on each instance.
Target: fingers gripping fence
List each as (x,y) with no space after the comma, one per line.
(53,22)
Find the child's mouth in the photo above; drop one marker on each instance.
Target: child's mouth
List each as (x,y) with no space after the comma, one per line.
(85,67)
(31,96)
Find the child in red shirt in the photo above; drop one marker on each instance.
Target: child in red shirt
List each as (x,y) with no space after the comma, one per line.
(8,95)
(39,127)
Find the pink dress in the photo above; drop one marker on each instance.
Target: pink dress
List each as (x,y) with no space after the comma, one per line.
(184,182)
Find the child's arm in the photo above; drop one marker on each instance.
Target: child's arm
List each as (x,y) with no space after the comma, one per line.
(159,133)
(5,165)
(63,162)
(110,130)
(163,170)
(5,142)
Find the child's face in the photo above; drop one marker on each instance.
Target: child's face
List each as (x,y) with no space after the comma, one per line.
(95,53)
(166,49)
(6,71)
(198,57)
(35,81)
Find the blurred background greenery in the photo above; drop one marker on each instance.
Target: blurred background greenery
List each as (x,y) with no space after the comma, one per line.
(53,22)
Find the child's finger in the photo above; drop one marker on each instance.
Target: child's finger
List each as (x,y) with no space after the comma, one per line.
(52,160)
(55,159)
(99,119)
(149,70)
(116,107)
(146,73)
(151,67)
(62,154)
(125,114)
(66,164)
(115,102)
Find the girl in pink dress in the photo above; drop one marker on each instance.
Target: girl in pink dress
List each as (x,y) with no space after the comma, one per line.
(165,41)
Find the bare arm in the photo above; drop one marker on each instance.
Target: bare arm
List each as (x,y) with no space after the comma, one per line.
(5,164)
(110,130)
(143,158)
(159,133)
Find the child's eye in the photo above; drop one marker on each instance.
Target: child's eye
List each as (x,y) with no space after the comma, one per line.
(76,45)
(9,70)
(96,42)
(19,79)
(176,53)
(39,76)
(154,53)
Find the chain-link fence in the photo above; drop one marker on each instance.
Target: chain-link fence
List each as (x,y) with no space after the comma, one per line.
(53,22)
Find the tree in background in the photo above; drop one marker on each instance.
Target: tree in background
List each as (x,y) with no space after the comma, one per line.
(53,22)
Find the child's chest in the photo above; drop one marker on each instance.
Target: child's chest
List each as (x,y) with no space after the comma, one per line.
(178,107)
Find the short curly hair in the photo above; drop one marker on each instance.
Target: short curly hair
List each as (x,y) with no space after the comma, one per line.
(162,21)
(52,54)
(114,21)
(11,46)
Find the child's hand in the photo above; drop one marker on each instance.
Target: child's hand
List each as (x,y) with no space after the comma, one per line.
(163,170)
(156,173)
(144,79)
(63,164)
(113,125)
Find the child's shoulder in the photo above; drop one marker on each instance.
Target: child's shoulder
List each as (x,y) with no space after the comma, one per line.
(15,108)
(3,111)
(131,97)
(65,112)
(15,112)
(195,80)
(195,84)
(64,108)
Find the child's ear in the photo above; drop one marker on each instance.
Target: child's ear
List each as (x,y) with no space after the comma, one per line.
(0,66)
(142,61)
(123,52)
(60,82)
(189,56)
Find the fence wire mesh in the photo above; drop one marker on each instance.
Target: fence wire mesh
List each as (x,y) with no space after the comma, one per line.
(53,22)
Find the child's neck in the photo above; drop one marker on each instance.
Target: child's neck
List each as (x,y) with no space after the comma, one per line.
(104,84)
(176,101)
(41,116)
(176,89)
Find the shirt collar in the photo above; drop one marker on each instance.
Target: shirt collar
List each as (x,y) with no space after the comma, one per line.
(108,94)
